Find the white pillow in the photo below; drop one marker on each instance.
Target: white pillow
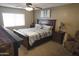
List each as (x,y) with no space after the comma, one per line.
(38,26)
(47,27)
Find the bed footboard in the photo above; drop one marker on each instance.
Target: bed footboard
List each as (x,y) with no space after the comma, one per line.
(25,41)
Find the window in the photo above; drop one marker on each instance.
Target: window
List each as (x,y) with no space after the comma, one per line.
(11,19)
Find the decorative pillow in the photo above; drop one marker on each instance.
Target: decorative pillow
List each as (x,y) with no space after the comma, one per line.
(47,27)
(38,26)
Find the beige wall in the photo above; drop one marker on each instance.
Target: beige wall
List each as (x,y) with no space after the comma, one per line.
(29,18)
(68,14)
(28,15)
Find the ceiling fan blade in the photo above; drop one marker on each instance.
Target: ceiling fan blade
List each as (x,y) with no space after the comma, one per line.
(30,5)
(38,7)
(35,7)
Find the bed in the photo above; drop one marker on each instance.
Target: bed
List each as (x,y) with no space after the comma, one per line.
(38,34)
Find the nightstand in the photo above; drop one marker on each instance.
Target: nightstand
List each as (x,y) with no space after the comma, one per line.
(32,25)
(58,36)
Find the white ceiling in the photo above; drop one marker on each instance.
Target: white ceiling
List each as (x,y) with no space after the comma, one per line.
(23,5)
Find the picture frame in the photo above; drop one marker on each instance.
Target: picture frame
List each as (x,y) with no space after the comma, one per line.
(45,13)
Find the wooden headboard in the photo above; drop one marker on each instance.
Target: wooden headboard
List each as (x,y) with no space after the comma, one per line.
(50,22)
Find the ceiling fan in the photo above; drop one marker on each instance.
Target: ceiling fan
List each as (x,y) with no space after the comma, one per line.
(30,7)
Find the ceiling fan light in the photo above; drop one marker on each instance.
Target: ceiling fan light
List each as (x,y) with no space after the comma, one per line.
(29,8)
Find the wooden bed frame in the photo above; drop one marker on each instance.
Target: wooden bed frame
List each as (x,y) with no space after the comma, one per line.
(50,22)
(25,42)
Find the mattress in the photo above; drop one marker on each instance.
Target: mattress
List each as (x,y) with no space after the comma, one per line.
(34,33)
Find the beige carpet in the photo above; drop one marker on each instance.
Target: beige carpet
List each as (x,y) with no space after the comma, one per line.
(48,49)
